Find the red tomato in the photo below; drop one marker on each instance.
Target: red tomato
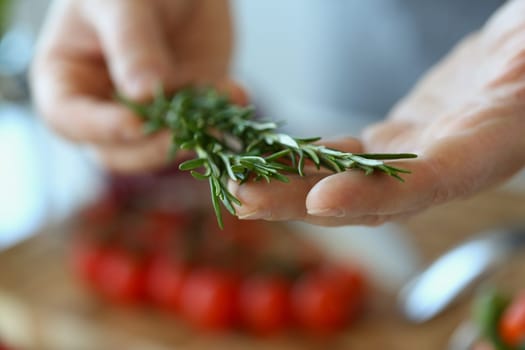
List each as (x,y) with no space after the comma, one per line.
(164,283)
(264,304)
(352,283)
(319,304)
(209,299)
(85,256)
(121,277)
(512,323)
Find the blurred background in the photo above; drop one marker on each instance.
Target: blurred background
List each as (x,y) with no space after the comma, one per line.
(310,71)
(41,177)
(303,68)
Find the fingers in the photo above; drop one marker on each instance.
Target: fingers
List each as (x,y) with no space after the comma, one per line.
(275,200)
(392,136)
(70,97)
(351,196)
(347,198)
(71,86)
(150,154)
(483,155)
(365,220)
(284,201)
(234,91)
(344,198)
(152,151)
(134,42)
(92,48)
(455,166)
(107,122)
(75,98)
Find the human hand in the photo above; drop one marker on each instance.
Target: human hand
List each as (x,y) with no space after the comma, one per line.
(90,49)
(465,120)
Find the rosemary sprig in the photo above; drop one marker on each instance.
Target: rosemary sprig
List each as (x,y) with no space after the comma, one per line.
(230,144)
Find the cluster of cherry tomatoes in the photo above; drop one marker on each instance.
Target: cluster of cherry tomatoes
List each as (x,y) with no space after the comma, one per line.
(248,276)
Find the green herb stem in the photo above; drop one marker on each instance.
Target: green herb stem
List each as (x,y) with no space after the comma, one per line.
(230,144)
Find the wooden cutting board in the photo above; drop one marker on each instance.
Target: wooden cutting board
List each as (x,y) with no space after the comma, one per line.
(42,308)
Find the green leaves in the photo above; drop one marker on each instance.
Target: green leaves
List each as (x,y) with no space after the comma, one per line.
(192,164)
(230,144)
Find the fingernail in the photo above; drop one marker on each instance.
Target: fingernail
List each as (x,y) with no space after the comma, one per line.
(142,86)
(255,215)
(335,212)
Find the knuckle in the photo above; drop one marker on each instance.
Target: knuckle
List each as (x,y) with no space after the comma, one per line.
(441,194)
(446,193)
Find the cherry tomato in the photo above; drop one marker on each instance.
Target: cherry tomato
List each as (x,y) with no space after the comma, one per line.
(319,304)
(85,256)
(209,299)
(164,282)
(351,281)
(512,323)
(264,304)
(121,277)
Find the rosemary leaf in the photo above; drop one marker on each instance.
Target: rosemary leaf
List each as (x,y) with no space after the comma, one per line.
(231,145)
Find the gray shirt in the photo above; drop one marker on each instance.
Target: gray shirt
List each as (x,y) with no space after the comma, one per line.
(336,65)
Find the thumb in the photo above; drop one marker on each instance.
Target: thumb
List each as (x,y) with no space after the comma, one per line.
(135,45)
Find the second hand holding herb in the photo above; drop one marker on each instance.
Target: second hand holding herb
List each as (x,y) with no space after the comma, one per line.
(229,144)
